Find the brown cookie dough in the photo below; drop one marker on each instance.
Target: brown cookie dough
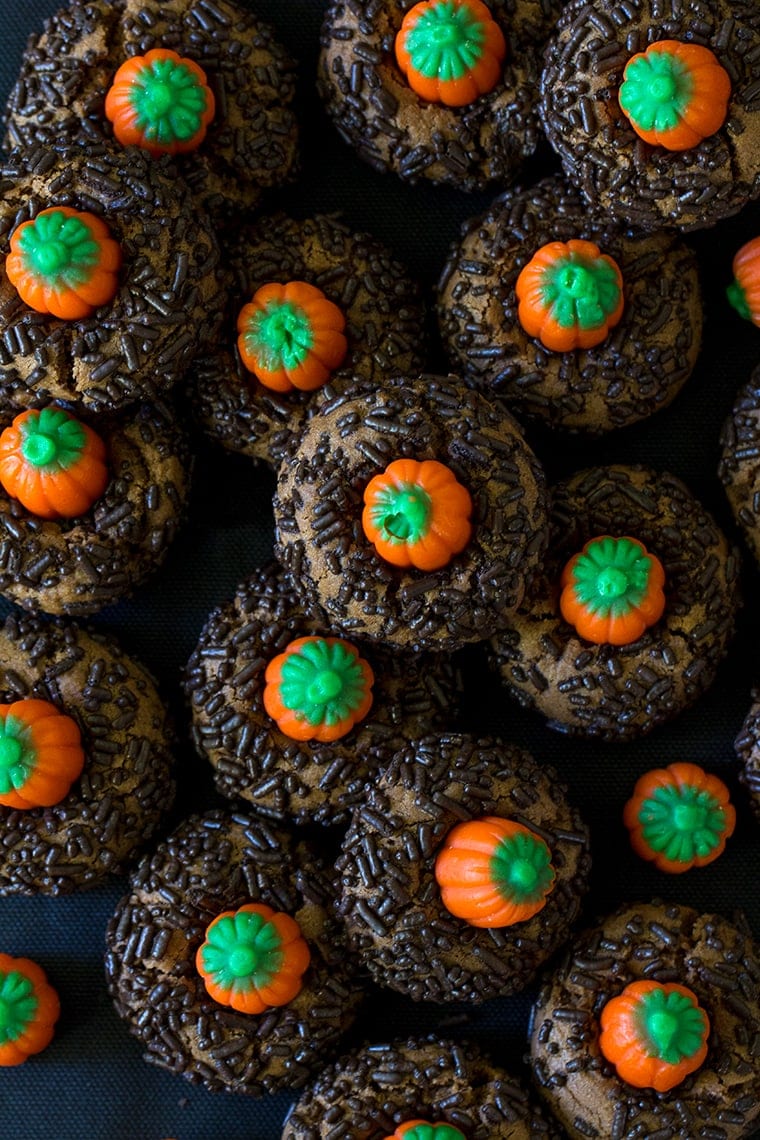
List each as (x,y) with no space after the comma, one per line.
(658,942)
(620,174)
(390,901)
(126,785)
(620,692)
(353,436)
(251,142)
(371,1092)
(739,467)
(391,128)
(78,566)
(308,781)
(384,326)
(636,370)
(212,864)
(169,301)
(747,745)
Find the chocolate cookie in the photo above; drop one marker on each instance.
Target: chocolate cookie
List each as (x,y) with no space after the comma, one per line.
(617,692)
(310,780)
(630,371)
(80,565)
(747,745)
(620,173)
(212,865)
(374,1091)
(68,69)
(125,786)
(384,330)
(168,300)
(739,467)
(660,943)
(395,890)
(392,128)
(335,568)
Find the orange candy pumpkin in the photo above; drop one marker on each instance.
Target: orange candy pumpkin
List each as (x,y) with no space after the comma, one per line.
(29,1009)
(612,591)
(318,689)
(450,51)
(744,291)
(424,1130)
(41,754)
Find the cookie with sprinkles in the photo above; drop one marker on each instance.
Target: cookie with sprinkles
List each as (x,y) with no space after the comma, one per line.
(296,721)
(254,409)
(205,83)
(633,611)
(739,466)
(382,1091)
(463,871)
(646,1028)
(568,319)
(655,116)
(86,757)
(412,513)
(224,960)
(108,282)
(747,746)
(444,90)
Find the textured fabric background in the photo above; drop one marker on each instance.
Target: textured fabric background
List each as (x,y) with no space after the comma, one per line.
(92,1081)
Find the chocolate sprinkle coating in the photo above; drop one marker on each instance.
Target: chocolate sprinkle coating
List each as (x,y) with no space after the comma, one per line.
(384,326)
(657,942)
(354,435)
(391,128)
(747,746)
(620,692)
(308,781)
(371,1092)
(210,864)
(252,140)
(618,172)
(169,302)
(390,900)
(739,467)
(636,370)
(78,566)
(126,785)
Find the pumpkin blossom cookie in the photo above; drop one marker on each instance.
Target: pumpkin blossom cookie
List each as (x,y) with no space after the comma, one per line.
(29,1010)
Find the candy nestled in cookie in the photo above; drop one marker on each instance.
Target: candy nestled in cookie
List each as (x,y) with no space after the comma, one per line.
(29,1009)
(41,754)
(450,51)
(612,591)
(744,291)
(160,102)
(422,1130)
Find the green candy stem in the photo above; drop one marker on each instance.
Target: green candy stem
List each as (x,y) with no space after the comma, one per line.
(671,1025)
(59,249)
(168,101)
(17,756)
(682,822)
(446,42)
(433,1132)
(323,683)
(403,513)
(580,292)
(52,439)
(279,336)
(737,298)
(657,89)
(242,948)
(521,868)
(18,1005)
(611,576)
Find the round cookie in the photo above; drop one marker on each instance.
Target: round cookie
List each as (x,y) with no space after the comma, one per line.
(374,1090)
(169,300)
(619,173)
(392,128)
(739,467)
(126,784)
(212,864)
(252,759)
(318,508)
(747,746)
(384,326)
(80,565)
(620,692)
(665,943)
(251,142)
(636,370)
(390,900)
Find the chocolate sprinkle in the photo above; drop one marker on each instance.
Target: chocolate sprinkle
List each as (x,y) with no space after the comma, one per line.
(739,468)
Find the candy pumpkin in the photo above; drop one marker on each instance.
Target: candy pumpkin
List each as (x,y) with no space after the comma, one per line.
(744,291)
(655,1035)
(53,464)
(291,336)
(417,514)
(422,1130)
(675,94)
(29,1009)
(41,754)
(494,872)
(64,262)
(679,817)
(318,689)
(450,51)
(612,591)
(570,295)
(253,958)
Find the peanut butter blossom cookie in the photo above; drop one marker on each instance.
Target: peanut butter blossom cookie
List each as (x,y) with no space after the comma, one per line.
(421,1089)
(633,611)
(264,377)
(231,920)
(646,1028)
(207,84)
(444,90)
(29,1010)
(566,318)
(299,722)
(463,871)
(654,116)
(85,758)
